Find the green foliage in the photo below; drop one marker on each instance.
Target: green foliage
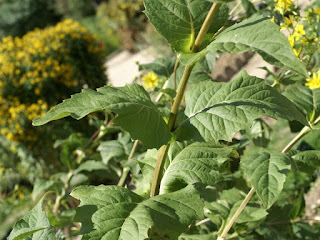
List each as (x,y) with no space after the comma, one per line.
(118,213)
(195,163)
(35,224)
(74,9)
(267,173)
(218,110)
(180,22)
(19,17)
(256,34)
(306,99)
(131,102)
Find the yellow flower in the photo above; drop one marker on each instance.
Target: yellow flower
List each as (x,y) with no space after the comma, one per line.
(288,22)
(299,31)
(150,80)
(297,52)
(283,5)
(314,82)
(291,40)
(317,10)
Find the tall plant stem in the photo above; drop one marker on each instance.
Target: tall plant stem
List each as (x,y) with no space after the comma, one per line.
(177,101)
(126,170)
(205,27)
(236,214)
(226,229)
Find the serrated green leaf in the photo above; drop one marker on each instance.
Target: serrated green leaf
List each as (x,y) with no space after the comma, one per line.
(218,110)
(121,214)
(136,112)
(267,173)
(307,161)
(180,21)
(306,99)
(195,163)
(257,34)
(35,225)
(160,66)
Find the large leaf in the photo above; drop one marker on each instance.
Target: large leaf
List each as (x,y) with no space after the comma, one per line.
(121,214)
(267,173)
(179,21)
(257,34)
(35,225)
(195,163)
(136,113)
(306,99)
(218,110)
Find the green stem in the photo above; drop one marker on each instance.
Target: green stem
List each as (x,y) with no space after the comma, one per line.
(302,133)
(177,101)
(236,214)
(126,170)
(205,26)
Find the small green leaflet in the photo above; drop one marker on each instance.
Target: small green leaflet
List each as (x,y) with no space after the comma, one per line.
(136,112)
(122,214)
(115,148)
(267,173)
(144,181)
(201,71)
(35,225)
(195,163)
(307,161)
(306,99)
(220,1)
(179,21)
(257,34)
(160,66)
(250,213)
(218,110)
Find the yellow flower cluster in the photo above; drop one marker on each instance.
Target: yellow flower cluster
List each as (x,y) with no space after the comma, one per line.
(36,70)
(283,5)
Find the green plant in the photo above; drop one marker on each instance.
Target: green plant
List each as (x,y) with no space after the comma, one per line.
(123,17)
(19,17)
(74,9)
(193,162)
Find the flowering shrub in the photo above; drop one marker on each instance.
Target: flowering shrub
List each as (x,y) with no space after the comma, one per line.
(40,69)
(125,16)
(302,29)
